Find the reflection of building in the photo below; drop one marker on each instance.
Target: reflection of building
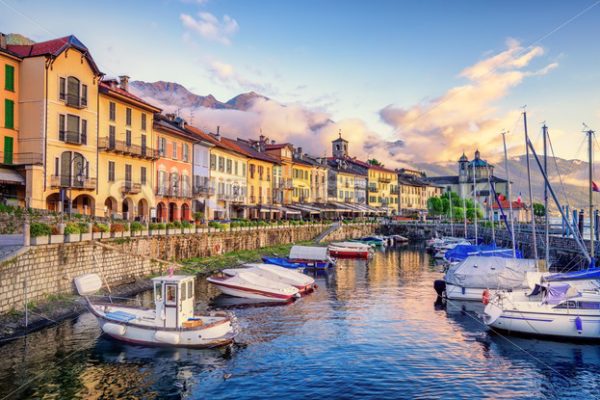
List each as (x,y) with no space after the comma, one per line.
(463,183)
(126,152)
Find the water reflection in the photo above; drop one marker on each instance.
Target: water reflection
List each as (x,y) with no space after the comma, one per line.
(371,330)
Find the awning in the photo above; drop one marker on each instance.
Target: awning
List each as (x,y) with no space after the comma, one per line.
(11,176)
(290,211)
(305,208)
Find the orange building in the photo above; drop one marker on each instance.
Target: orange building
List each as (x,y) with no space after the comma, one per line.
(173,169)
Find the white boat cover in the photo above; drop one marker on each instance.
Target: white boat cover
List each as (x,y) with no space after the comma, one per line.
(490,272)
(308,253)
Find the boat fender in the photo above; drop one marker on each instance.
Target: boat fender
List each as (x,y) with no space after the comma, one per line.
(315,286)
(579,324)
(114,329)
(167,337)
(485,297)
(439,286)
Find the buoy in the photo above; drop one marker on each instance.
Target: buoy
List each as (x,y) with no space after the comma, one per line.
(485,297)
(579,324)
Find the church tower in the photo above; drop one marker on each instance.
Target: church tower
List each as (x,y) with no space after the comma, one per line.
(339,147)
(463,169)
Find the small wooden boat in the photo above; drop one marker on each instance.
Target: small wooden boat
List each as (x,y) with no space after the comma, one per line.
(303,283)
(171,323)
(249,285)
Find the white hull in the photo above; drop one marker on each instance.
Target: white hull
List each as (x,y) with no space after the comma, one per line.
(247,294)
(459,293)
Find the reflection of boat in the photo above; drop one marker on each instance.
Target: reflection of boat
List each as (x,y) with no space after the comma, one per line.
(275,273)
(251,286)
(171,323)
(225,301)
(350,250)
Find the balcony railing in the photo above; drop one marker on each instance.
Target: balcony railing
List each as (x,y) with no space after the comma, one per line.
(348,200)
(131,187)
(204,190)
(76,101)
(372,189)
(122,147)
(75,182)
(173,191)
(384,179)
(74,137)
(288,184)
(20,158)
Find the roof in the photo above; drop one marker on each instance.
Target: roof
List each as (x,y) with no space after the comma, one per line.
(402,180)
(314,161)
(222,143)
(162,122)
(106,88)
(350,166)
(53,48)
(443,180)
(10,53)
(243,147)
(275,146)
(300,161)
(516,205)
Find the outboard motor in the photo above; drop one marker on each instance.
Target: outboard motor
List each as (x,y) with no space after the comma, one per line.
(439,286)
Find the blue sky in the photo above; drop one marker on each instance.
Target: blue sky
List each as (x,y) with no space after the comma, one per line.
(351,59)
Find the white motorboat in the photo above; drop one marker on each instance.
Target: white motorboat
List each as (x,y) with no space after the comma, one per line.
(171,323)
(350,249)
(553,309)
(302,282)
(468,279)
(249,285)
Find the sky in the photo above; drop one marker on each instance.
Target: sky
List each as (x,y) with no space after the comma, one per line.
(406,81)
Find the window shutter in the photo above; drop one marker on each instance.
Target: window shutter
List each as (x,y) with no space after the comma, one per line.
(62,88)
(84,95)
(83,137)
(9,116)
(9,77)
(61,127)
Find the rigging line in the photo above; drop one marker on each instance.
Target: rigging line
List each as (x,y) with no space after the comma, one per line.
(517,55)
(514,344)
(562,185)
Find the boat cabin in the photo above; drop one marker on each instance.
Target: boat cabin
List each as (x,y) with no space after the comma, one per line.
(174,300)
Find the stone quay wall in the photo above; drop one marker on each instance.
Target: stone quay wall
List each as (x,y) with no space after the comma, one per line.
(37,272)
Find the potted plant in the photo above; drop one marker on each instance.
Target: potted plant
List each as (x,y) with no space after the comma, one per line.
(100,230)
(186,227)
(39,233)
(72,232)
(158,228)
(117,229)
(84,229)
(136,228)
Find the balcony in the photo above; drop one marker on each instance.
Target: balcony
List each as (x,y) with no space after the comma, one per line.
(74,137)
(72,182)
(383,179)
(20,158)
(203,190)
(360,186)
(122,147)
(348,200)
(129,187)
(288,184)
(373,189)
(173,191)
(76,101)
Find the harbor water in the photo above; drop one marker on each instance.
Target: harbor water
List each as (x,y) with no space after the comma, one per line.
(371,330)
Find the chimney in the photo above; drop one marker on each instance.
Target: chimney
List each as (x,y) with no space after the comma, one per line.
(218,135)
(272,141)
(170,117)
(299,152)
(2,41)
(124,82)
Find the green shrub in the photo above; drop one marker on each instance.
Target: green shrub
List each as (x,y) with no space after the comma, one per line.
(136,226)
(72,229)
(186,224)
(38,229)
(198,215)
(214,224)
(99,227)
(176,224)
(83,227)
(156,226)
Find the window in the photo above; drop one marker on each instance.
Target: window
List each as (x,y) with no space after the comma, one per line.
(213,162)
(190,290)
(9,114)
(128,175)
(128,138)
(251,171)
(62,95)
(229,167)
(221,164)
(56,166)
(162,143)
(183,291)
(61,127)
(143,175)
(112,137)
(175,150)
(111,171)
(143,144)
(128,116)
(84,91)
(143,121)
(244,169)
(73,91)
(186,151)
(9,78)
(112,111)
(170,298)
(235,168)
(83,136)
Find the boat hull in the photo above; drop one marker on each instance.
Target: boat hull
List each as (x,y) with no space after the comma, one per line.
(238,291)
(349,253)
(454,292)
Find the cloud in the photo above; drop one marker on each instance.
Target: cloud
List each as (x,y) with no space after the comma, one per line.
(465,116)
(210,27)
(227,75)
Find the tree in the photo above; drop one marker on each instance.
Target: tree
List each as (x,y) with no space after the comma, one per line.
(539,210)
(434,205)
(374,161)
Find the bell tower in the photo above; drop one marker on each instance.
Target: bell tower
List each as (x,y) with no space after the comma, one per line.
(339,147)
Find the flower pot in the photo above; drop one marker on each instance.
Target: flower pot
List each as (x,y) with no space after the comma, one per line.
(38,240)
(143,232)
(126,234)
(188,230)
(57,238)
(73,237)
(98,235)
(86,236)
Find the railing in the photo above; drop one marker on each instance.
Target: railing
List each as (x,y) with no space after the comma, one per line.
(288,184)
(348,200)
(131,187)
(73,137)
(76,182)
(360,186)
(73,100)
(120,146)
(204,190)
(384,180)
(20,158)
(372,189)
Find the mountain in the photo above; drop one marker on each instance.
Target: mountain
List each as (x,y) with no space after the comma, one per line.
(174,94)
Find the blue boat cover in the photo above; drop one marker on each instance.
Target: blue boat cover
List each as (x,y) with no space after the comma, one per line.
(283,262)
(592,273)
(120,316)
(462,251)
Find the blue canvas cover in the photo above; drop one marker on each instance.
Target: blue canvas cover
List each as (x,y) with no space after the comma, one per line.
(462,251)
(557,293)
(120,316)
(592,273)
(283,262)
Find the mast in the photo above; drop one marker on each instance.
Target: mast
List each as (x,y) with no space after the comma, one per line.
(590,133)
(451,221)
(533,237)
(546,220)
(465,215)
(490,204)
(510,212)
(475,203)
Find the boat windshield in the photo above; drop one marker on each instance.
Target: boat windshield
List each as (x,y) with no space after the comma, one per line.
(158,292)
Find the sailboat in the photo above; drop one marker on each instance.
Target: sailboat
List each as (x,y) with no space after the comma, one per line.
(561,305)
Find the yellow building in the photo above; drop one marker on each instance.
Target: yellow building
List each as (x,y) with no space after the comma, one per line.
(58,84)
(382,189)
(126,151)
(283,152)
(301,177)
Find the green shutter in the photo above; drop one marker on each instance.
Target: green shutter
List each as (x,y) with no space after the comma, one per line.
(9,114)
(9,78)
(8,150)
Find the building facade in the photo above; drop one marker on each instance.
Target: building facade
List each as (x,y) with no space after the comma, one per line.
(283,152)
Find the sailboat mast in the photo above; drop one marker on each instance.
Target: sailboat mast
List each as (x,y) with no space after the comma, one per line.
(547,224)
(491,210)
(475,202)
(510,208)
(464,214)
(451,221)
(590,133)
(533,237)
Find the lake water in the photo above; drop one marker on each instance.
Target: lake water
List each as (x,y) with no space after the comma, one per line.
(369,331)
